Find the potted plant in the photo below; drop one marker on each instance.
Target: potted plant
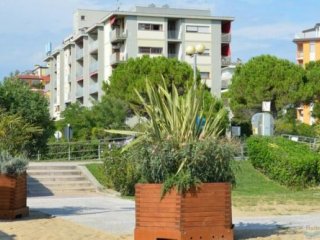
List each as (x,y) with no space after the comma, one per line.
(13,186)
(185,166)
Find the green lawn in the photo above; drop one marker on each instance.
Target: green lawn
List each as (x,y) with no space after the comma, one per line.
(253,188)
(98,172)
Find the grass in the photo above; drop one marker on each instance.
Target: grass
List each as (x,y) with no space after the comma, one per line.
(253,188)
(98,172)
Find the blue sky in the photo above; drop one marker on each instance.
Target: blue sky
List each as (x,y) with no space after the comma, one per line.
(260,26)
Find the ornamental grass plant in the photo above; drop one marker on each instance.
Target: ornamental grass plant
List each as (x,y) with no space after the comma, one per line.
(179,146)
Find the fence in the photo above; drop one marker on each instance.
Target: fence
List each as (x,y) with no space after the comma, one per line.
(77,151)
(313,143)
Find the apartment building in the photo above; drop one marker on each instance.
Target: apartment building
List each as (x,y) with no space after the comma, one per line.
(101,40)
(308,49)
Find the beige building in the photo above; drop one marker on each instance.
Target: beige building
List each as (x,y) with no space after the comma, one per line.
(101,40)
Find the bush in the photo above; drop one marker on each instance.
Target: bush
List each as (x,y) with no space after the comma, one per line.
(12,165)
(121,172)
(287,162)
(204,161)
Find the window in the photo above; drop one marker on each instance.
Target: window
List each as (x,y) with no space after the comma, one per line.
(205,75)
(150,27)
(197,29)
(83,18)
(150,50)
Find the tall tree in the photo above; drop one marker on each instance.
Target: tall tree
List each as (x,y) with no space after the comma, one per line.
(265,78)
(32,107)
(133,74)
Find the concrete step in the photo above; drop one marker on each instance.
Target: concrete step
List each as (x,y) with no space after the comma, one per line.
(49,167)
(58,184)
(54,173)
(45,179)
(48,180)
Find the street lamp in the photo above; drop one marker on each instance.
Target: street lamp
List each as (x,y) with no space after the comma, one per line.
(193,51)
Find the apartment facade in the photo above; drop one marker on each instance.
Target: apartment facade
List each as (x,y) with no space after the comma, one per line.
(308,49)
(102,41)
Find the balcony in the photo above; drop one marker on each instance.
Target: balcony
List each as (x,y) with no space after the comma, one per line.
(118,36)
(93,46)
(69,78)
(93,68)
(68,97)
(79,75)
(225,38)
(117,58)
(307,35)
(300,55)
(173,35)
(79,92)
(79,54)
(173,55)
(94,87)
(225,61)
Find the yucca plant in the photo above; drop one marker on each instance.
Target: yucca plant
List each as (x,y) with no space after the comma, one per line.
(171,146)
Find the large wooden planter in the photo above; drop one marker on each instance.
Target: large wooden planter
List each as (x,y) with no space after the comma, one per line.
(205,214)
(13,196)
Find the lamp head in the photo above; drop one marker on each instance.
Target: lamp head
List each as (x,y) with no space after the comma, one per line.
(190,50)
(200,48)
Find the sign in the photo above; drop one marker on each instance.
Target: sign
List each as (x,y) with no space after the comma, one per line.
(58,135)
(68,132)
(266,106)
(235,131)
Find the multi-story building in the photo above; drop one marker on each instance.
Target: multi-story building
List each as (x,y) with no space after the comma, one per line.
(308,45)
(101,40)
(308,49)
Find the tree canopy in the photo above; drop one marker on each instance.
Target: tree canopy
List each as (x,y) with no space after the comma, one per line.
(265,78)
(17,98)
(89,123)
(133,74)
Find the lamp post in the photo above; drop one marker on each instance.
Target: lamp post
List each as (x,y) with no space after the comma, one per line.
(193,51)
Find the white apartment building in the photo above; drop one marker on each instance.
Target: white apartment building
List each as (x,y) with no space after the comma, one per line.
(101,40)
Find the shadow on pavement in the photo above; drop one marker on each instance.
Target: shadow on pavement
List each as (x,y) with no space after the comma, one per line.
(4,236)
(257,230)
(37,189)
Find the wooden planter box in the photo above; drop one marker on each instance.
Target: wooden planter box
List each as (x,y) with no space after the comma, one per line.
(13,196)
(203,214)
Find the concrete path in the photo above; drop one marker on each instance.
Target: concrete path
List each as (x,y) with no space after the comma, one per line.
(115,215)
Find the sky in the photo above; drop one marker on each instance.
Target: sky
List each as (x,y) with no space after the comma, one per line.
(260,26)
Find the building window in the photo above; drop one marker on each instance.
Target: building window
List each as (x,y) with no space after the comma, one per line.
(150,27)
(197,29)
(83,17)
(205,75)
(150,50)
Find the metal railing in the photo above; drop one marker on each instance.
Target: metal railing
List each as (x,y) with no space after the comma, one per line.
(93,67)
(79,92)
(225,37)
(93,46)
(173,34)
(93,87)
(225,60)
(313,143)
(77,151)
(118,35)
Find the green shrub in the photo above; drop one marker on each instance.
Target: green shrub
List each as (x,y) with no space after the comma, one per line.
(289,163)
(10,165)
(121,171)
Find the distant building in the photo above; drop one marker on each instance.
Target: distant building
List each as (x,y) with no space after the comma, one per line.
(308,49)
(37,79)
(101,40)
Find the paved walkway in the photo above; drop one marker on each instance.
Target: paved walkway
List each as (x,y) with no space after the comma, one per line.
(116,215)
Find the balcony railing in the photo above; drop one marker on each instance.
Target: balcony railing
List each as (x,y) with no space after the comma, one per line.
(79,75)
(94,87)
(118,58)
(173,55)
(299,55)
(93,46)
(79,92)
(225,37)
(93,68)
(173,34)
(117,35)
(225,60)
(307,35)
(79,54)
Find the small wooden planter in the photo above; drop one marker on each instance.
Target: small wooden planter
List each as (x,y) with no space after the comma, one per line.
(203,214)
(13,196)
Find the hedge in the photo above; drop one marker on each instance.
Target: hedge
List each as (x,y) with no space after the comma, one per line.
(289,163)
